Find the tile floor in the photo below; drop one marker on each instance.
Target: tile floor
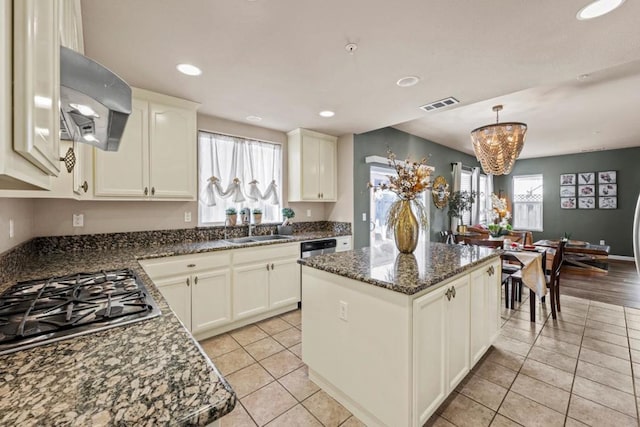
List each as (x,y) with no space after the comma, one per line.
(580,369)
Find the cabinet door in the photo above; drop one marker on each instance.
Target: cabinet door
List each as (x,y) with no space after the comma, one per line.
(36,89)
(479,340)
(327,170)
(250,290)
(125,173)
(310,167)
(71,25)
(172,148)
(429,358)
(493,294)
(83,171)
(177,292)
(210,300)
(284,283)
(458,332)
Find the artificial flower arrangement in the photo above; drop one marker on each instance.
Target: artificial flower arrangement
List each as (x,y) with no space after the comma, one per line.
(500,216)
(412,179)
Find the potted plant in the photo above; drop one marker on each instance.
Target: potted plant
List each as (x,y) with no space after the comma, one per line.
(257,216)
(459,203)
(245,215)
(232,216)
(501,229)
(286,228)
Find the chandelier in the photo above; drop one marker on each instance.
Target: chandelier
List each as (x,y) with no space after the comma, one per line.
(498,146)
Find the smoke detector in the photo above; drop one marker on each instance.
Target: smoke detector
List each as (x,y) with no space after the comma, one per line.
(351,47)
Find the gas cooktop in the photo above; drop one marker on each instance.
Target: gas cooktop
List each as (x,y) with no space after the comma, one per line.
(41,311)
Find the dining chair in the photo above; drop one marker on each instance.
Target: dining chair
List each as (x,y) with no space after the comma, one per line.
(482,242)
(553,278)
(511,278)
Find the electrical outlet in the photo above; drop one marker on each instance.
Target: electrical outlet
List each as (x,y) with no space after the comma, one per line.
(78,220)
(309,213)
(11,229)
(343,311)
(364,216)
(602,242)
(187,217)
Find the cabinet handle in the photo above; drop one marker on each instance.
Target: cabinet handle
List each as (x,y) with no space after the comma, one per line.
(490,270)
(267,267)
(195,281)
(153,191)
(146,191)
(453,291)
(272,266)
(85,186)
(191,265)
(188,281)
(318,195)
(448,294)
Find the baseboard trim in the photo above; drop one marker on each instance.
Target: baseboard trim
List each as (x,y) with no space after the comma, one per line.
(362,414)
(622,258)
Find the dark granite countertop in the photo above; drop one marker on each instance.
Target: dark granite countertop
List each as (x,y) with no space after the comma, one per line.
(148,373)
(382,265)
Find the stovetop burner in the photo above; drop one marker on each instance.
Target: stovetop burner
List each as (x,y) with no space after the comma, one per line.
(41,311)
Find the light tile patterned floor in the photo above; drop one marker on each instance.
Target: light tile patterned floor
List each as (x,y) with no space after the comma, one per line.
(580,369)
(262,363)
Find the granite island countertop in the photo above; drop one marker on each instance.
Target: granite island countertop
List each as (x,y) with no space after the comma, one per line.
(148,373)
(382,265)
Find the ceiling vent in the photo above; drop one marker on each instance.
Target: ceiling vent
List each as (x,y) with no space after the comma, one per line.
(436,105)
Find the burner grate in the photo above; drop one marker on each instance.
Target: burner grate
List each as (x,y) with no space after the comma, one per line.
(40,311)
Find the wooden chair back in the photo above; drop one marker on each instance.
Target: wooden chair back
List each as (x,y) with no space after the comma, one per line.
(487,243)
(557,262)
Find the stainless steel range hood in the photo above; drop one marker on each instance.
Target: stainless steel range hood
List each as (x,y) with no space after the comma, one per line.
(94,102)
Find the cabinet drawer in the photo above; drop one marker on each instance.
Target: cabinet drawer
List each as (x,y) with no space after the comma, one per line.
(266,253)
(343,243)
(185,264)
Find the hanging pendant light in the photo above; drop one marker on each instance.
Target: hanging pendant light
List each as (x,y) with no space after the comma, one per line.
(498,146)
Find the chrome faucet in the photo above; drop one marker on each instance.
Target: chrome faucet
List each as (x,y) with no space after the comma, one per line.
(225,228)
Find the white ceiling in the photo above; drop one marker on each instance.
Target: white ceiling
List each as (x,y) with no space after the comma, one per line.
(284,60)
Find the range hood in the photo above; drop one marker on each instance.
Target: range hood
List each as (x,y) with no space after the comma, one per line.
(94,102)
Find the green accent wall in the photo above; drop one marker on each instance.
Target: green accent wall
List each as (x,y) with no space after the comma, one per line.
(375,143)
(614,226)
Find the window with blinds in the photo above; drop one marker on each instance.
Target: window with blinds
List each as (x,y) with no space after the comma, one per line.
(527,202)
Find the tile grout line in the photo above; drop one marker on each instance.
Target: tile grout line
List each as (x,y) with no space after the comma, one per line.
(575,370)
(633,377)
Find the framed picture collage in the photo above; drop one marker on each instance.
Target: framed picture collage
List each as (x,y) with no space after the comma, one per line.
(582,190)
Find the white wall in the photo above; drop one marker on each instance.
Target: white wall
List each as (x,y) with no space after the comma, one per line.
(21,211)
(342,210)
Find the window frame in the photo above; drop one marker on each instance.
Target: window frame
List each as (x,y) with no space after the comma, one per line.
(279,183)
(513,202)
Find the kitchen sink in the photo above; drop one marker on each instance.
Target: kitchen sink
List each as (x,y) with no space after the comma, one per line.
(255,239)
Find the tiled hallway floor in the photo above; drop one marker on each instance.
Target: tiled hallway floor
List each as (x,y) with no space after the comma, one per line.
(576,370)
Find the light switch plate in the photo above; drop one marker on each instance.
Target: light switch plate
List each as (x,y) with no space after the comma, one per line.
(364,216)
(187,217)
(11,229)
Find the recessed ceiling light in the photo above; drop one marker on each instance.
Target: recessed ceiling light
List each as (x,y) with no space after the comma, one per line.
(327,113)
(254,118)
(189,70)
(408,81)
(598,8)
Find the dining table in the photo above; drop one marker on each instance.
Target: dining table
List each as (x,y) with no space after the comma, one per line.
(532,273)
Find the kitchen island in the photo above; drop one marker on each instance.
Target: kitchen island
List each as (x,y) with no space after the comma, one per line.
(390,335)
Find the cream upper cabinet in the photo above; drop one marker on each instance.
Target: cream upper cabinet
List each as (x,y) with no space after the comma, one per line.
(71,25)
(312,166)
(157,154)
(36,88)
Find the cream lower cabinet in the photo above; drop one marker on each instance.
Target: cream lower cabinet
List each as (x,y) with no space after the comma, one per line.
(265,278)
(157,154)
(485,313)
(196,287)
(441,345)
(217,291)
